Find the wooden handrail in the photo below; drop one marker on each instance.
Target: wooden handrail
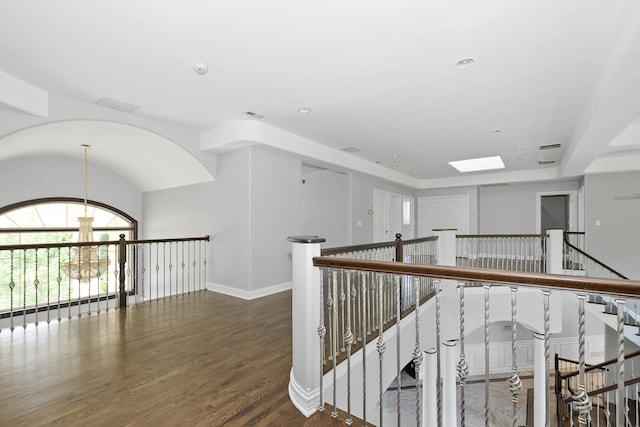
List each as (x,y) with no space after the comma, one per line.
(370,246)
(600,365)
(624,288)
(420,240)
(356,248)
(601,264)
(97,243)
(613,387)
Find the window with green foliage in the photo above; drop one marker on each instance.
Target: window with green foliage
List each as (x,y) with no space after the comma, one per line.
(30,278)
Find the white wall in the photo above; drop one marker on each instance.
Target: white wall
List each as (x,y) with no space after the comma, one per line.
(220,209)
(362,201)
(182,212)
(275,215)
(28,178)
(511,209)
(615,240)
(249,211)
(325,199)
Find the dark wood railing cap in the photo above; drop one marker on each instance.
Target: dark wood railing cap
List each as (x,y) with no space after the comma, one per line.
(581,284)
(306,239)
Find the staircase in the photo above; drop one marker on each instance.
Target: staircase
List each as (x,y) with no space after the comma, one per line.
(601,380)
(369,298)
(600,386)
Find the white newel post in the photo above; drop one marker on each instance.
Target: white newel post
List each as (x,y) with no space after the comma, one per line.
(446,246)
(304,380)
(449,324)
(555,246)
(449,408)
(429,374)
(540,374)
(448,288)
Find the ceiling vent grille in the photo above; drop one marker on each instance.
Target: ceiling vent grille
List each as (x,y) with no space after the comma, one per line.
(502,184)
(350,149)
(546,162)
(117,105)
(549,146)
(254,115)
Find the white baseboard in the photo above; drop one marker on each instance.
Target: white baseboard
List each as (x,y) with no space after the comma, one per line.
(306,401)
(248,295)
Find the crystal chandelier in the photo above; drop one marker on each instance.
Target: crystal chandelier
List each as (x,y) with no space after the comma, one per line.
(85,263)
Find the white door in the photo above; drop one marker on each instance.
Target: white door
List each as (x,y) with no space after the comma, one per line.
(387,216)
(408,218)
(456,214)
(443,212)
(428,215)
(395,216)
(380,214)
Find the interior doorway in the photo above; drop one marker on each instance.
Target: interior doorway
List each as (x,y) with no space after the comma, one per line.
(557,210)
(554,212)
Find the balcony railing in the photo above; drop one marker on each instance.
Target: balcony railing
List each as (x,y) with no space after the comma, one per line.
(514,252)
(44,282)
(434,336)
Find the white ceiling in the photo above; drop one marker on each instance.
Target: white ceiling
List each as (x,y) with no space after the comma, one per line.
(378,75)
(108,141)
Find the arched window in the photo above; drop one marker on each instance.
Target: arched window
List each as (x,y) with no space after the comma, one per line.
(53,220)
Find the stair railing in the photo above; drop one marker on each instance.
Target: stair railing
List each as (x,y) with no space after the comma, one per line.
(580,263)
(386,350)
(600,385)
(575,238)
(423,250)
(357,385)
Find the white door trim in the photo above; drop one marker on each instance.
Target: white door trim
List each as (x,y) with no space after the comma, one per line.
(573,207)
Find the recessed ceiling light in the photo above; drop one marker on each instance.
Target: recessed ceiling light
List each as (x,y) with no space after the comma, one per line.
(464,62)
(479,164)
(304,110)
(394,155)
(517,150)
(201,69)
(394,166)
(414,173)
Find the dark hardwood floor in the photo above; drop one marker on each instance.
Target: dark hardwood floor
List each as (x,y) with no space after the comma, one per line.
(202,359)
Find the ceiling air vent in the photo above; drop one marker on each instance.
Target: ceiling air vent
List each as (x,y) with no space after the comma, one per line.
(117,105)
(350,149)
(254,115)
(502,184)
(549,146)
(546,162)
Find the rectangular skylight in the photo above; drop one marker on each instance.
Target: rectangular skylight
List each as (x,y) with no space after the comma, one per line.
(480,164)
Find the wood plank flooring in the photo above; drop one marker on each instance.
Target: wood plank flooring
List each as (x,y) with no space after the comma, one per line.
(202,359)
